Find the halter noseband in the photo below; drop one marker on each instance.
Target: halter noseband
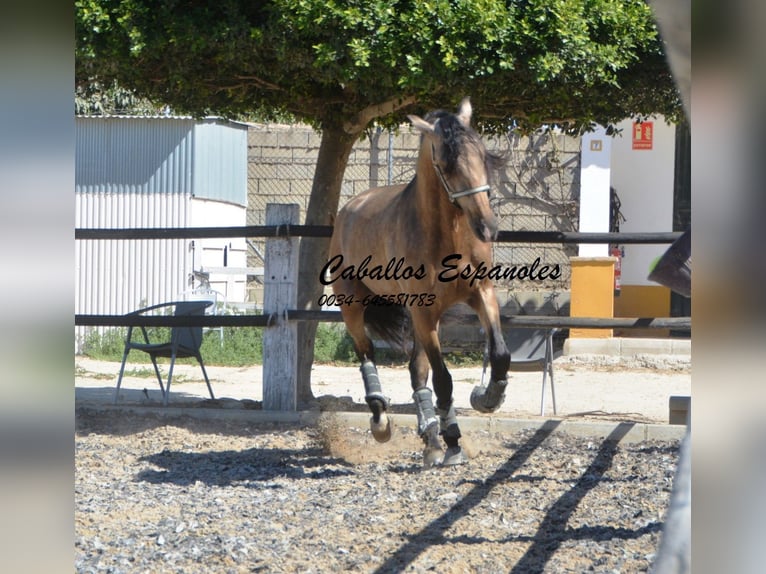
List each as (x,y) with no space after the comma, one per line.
(454,195)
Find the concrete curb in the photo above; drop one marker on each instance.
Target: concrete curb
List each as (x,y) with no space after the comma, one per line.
(627,347)
(630,432)
(634,432)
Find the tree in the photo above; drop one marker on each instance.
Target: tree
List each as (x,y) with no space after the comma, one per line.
(342,65)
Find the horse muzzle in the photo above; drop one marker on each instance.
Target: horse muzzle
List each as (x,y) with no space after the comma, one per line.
(485,230)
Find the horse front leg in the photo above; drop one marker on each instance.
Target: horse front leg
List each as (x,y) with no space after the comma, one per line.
(426,331)
(488,398)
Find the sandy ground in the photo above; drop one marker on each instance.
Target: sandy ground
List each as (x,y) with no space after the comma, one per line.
(597,387)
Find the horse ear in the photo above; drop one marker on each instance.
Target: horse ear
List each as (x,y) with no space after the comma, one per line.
(465,111)
(421,125)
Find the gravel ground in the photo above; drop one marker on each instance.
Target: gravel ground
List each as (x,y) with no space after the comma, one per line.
(192,496)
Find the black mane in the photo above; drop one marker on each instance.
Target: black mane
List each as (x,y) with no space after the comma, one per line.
(456,137)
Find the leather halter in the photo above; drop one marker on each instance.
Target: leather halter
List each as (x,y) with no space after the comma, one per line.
(454,195)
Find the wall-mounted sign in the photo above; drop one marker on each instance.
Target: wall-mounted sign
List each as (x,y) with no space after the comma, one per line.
(595,145)
(643,134)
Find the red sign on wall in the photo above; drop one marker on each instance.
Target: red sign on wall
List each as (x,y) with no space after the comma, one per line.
(643,134)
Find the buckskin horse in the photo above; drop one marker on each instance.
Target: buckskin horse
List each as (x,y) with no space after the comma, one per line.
(386,267)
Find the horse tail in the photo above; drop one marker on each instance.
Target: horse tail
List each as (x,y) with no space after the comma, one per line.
(389,322)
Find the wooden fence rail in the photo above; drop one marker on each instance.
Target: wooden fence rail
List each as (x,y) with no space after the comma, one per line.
(266,320)
(289,230)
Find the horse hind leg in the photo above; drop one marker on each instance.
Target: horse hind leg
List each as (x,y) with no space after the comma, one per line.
(380,424)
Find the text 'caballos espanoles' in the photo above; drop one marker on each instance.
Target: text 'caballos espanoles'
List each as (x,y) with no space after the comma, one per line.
(451,269)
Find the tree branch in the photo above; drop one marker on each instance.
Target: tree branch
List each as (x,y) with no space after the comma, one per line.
(375,111)
(260,82)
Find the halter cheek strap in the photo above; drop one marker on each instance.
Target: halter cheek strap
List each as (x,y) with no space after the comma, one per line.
(454,195)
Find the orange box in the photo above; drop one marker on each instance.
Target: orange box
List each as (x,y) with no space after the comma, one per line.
(592,293)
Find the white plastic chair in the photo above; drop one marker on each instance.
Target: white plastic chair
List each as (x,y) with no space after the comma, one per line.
(206,293)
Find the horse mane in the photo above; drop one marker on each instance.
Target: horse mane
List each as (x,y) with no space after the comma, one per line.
(455,137)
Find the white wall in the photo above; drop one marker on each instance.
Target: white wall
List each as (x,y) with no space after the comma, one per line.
(594,189)
(208,253)
(644,181)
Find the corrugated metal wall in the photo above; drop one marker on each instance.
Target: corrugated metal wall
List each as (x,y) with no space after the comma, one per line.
(143,172)
(220,161)
(117,276)
(134,155)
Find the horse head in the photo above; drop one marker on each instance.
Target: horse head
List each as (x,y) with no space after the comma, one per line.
(462,165)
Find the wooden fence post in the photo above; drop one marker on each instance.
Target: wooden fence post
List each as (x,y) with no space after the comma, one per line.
(280,338)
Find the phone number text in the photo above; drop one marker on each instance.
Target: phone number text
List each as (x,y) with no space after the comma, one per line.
(402,299)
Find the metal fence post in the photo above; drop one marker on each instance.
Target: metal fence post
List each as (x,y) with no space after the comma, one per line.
(280,338)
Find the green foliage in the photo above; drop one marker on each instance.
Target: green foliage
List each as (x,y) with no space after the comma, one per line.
(572,62)
(464,359)
(333,344)
(107,346)
(95,99)
(241,346)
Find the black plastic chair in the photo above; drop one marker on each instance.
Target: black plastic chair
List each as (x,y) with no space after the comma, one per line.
(184,342)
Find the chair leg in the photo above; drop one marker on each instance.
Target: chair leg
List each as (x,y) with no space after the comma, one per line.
(159,375)
(549,366)
(553,389)
(548,369)
(119,377)
(204,372)
(170,378)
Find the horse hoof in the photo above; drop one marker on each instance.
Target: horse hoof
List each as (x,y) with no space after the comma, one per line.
(381,430)
(432,456)
(479,400)
(454,456)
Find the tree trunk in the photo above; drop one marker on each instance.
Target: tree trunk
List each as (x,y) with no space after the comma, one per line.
(334,151)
